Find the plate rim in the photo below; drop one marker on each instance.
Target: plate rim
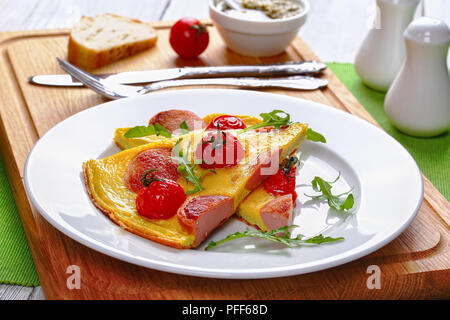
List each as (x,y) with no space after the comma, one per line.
(263,273)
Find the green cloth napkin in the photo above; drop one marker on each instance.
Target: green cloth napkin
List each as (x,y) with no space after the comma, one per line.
(432,156)
(16,264)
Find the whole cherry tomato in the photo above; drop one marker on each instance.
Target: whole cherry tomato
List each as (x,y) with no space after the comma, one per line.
(219,149)
(189,38)
(226,122)
(160,198)
(283,182)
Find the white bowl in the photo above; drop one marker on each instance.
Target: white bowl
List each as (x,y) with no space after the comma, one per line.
(257,38)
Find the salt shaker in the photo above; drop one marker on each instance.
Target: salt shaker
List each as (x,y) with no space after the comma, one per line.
(418,102)
(382,53)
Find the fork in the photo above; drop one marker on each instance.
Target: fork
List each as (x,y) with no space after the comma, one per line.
(113,90)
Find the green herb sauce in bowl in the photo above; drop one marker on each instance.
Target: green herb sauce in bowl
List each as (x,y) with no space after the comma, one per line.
(263,9)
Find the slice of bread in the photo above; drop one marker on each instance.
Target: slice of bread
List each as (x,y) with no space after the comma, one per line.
(97,41)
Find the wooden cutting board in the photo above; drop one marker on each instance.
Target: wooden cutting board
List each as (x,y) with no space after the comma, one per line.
(415,265)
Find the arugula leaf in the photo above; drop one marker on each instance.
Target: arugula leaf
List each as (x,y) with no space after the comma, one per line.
(315,136)
(272,119)
(161,131)
(143,131)
(185,168)
(334,201)
(321,239)
(276,119)
(140,131)
(184,125)
(184,128)
(281,235)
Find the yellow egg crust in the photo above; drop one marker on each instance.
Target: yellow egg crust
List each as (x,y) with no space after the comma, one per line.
(106,186)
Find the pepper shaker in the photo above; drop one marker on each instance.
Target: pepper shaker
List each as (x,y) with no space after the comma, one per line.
(382,53)
(418,102)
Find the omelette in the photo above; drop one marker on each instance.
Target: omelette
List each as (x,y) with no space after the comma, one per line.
(261,209)
(224,190)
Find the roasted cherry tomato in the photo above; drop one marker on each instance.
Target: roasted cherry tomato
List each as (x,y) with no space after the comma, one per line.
(160,198)
(189,38)
(226,122)
(219,149)
(283,182)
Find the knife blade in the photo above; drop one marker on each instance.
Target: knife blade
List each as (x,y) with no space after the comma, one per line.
(148,76)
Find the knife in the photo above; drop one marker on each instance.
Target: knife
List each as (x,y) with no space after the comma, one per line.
(147,76)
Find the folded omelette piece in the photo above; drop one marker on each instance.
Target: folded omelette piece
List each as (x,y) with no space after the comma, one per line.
(224,189)
(260,209)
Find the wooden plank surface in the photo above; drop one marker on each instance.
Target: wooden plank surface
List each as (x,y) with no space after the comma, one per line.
(51,14)
(334,30)
(415,265)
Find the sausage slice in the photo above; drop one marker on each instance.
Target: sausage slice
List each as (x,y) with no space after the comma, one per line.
(278,212)
(171,120)
(201,215)
(266,165)
(158,159)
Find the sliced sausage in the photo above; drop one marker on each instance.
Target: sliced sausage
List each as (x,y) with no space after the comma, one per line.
(201,215)
(158,159)
(171,120)
(266,165)
(278,212)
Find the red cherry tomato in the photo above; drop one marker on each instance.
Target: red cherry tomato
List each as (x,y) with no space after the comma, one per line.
(226,122)
(219,150)
(189,38)
(281,184)
(160,199)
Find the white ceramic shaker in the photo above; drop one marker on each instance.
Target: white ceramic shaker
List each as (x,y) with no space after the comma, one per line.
(418,102)
(382,53)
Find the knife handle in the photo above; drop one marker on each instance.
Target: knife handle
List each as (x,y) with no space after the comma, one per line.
(266,70)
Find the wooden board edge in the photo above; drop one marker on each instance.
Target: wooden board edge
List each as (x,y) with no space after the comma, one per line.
(19,188)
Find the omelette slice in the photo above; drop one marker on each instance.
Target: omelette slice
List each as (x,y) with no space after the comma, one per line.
(260,209)
(202,212)
(265,210)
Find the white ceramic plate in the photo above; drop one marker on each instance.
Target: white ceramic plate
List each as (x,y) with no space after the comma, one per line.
(386,183)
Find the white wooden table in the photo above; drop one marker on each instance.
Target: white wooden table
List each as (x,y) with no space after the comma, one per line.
(334,30)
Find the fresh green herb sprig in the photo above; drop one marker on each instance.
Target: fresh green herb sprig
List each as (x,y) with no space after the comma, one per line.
(184,127)
(279,118)
(315,136)
(185,168)
(281,235)
(276,119)
(334,201)
(143,131)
